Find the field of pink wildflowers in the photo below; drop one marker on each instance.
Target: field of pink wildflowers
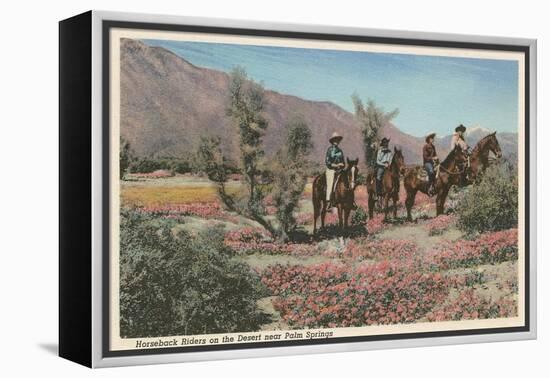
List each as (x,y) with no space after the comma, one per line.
(371,279)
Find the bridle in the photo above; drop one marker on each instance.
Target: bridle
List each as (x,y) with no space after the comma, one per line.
(398,167)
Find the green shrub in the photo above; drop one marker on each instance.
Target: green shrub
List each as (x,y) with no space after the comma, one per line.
(175,284)
(359,217)
(125,157)
(289,170)
(181,166)
(146,165)
(492,203)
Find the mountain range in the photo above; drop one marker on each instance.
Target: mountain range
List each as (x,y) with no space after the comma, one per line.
(167,104)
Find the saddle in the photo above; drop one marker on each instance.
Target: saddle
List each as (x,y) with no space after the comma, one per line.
(421,173)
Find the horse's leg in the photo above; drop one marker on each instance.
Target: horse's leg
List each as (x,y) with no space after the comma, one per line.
(395,198)
(315,215)
(440,202)
(371,205)
(346,217)
(386,206)
(323,213)
(340,217)
(409,203)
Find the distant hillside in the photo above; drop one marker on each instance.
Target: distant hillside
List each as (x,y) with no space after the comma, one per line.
(167,103)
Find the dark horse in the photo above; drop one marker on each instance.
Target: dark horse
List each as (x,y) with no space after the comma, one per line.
(479,161)
(451,171)
(344,195)
(390,184)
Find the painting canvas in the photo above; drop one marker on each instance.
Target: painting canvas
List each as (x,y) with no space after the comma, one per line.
(291,191)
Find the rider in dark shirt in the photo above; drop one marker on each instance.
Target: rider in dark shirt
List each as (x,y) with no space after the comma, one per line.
(334,161)
(430,159)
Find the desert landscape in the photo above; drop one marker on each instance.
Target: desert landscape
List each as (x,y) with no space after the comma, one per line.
(216,213)
(394,273)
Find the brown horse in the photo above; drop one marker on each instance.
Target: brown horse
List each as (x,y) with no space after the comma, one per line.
(344,195)
(390,184)
(479,160)
(451,171)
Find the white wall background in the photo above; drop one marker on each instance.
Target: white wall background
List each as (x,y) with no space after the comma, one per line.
(28,185)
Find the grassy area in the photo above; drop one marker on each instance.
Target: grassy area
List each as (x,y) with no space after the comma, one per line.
(170,191)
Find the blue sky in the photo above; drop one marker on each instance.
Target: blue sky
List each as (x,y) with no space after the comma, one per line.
(431,93)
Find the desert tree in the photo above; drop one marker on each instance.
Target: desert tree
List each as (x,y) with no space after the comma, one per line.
(289,173)
(245,107)
(211,160)
(371,119)
(125,157)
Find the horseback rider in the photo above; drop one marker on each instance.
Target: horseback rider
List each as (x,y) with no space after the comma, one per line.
(430,159)
(383,161)
(334,161)
(458,140)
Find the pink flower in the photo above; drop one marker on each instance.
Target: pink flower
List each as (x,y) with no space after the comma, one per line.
(438,225)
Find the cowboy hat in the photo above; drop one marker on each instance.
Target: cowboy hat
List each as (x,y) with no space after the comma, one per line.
(460,127)
(335,137)
(384,141)
(430,135)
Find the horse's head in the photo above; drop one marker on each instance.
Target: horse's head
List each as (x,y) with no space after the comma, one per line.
(398,159)
(353,170)
(459,154)
(493,146)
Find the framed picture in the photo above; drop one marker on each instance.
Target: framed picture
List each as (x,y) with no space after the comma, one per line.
(234,189)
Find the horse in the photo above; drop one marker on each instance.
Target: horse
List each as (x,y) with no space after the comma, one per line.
(344,195)
(451,171)
(479,160)
(390,184)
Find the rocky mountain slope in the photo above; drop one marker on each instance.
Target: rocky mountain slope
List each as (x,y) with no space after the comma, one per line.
(167,104)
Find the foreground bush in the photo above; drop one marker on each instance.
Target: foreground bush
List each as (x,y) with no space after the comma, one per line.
(178,285)
(491,204)
(359,217)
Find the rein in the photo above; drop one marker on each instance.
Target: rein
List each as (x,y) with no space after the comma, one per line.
(452,173)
